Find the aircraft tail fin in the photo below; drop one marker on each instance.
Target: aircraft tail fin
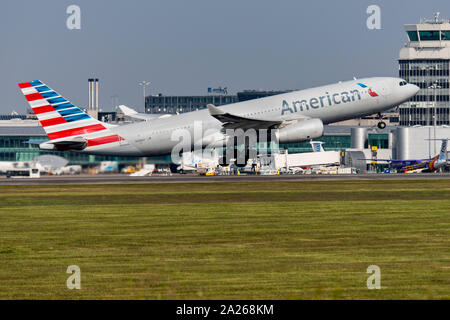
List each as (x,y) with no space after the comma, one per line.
(443,153)
(66,125)
(317,146)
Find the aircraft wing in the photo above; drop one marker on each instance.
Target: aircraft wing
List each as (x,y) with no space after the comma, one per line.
(231,121)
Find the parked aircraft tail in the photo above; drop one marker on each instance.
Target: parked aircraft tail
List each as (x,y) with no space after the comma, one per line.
(443,153)
(317,146)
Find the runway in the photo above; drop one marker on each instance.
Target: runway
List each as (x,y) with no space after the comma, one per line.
(186,178)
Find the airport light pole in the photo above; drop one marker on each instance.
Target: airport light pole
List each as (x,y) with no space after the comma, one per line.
(114,101)
(426,78)
(434,86)
(144,84)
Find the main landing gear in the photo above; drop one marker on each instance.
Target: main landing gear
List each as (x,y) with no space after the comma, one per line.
(381,124)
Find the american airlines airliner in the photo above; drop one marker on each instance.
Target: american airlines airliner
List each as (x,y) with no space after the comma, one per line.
(295,116)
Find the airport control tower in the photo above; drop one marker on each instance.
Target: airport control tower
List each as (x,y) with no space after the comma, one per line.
(425,62)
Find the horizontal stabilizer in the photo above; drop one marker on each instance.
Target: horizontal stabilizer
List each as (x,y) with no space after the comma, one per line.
(77,143)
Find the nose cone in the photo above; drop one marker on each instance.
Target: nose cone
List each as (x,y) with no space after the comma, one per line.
(414,89)
(411,90)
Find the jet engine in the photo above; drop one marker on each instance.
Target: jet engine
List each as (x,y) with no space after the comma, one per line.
(300,130)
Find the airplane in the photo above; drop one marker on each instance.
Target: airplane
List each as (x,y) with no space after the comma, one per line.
(131,113)
(419,165)
(293,117)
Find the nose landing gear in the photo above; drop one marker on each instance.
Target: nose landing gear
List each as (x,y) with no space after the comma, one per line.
(381,124)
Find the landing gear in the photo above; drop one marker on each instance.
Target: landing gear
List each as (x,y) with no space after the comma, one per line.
(239,150)
(381,124)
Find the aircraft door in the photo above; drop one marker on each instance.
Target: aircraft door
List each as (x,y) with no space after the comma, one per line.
(381,89)
(384,89)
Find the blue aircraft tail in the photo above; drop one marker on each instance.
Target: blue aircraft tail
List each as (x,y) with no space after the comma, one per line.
(443,153)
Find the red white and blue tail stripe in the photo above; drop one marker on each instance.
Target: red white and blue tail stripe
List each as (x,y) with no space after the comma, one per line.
(62,121)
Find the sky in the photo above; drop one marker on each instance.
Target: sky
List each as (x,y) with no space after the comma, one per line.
(183,47)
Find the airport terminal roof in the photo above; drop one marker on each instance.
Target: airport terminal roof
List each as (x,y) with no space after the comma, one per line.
(21,131)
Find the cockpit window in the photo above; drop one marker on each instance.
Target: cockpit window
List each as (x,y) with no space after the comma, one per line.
(402,83)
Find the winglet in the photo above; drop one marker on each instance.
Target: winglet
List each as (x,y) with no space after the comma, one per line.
(214,111)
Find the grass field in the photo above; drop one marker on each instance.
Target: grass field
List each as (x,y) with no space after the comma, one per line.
(282,240)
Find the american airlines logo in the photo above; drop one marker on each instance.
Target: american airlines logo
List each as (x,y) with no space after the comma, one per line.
(326,100)
(371,92)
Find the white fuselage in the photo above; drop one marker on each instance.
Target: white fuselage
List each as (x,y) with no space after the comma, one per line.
(330,103)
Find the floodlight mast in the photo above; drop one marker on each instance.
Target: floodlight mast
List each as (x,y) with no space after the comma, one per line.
(144,84)
(434,86)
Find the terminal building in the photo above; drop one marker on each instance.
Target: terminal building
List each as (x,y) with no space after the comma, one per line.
(157,104)
(425,62)
(19,140)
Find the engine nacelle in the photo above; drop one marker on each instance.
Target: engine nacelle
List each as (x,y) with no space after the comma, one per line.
(301,130)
